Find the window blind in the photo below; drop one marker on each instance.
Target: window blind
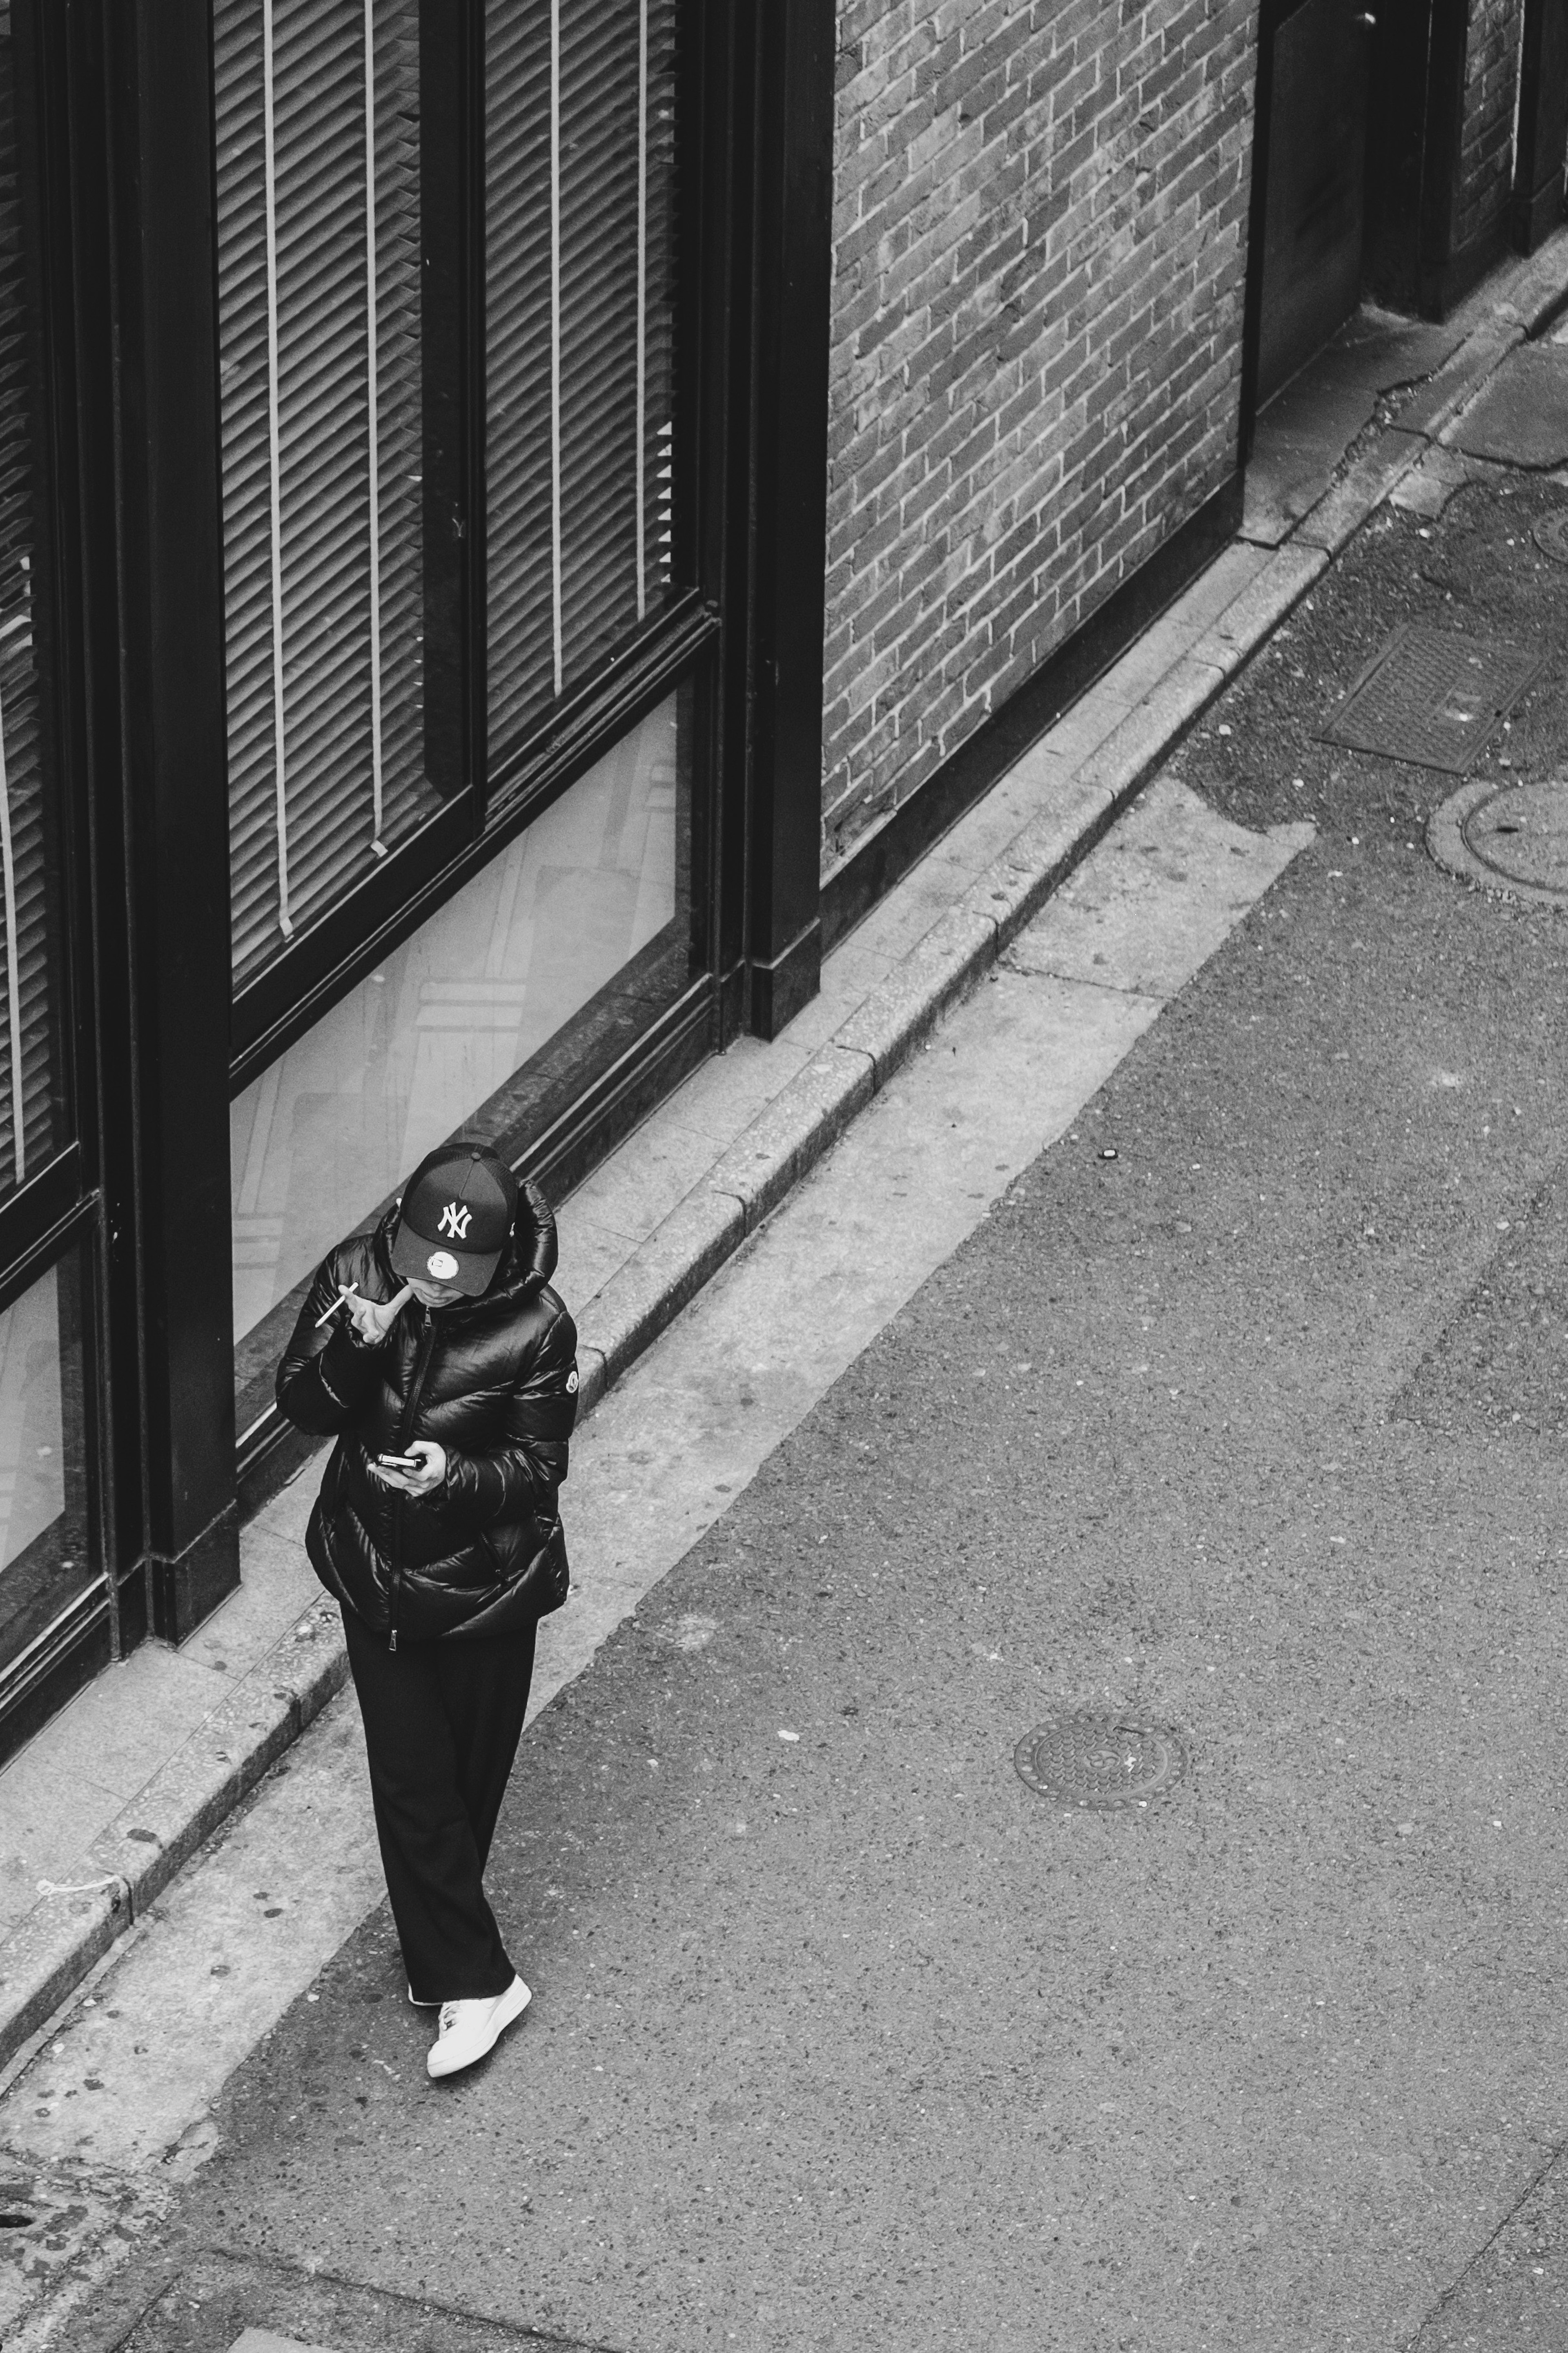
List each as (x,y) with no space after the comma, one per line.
(319,296)
(29,1129)
(579,167)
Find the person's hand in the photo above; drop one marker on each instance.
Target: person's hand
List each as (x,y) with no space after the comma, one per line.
(426,1474)
(373,1319)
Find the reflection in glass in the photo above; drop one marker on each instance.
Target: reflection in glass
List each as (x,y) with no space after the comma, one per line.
(44,1564)
(488,1021)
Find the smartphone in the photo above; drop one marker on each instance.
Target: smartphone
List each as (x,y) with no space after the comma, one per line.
(400,1462)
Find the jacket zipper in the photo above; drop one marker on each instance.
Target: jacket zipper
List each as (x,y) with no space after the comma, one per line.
(404,1429)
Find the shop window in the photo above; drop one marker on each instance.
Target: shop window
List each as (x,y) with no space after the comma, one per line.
(31,1126)
(579,252)
(344,692)
(52,1599)
(44,1558)
(319,278)
(527,985)
(374,639)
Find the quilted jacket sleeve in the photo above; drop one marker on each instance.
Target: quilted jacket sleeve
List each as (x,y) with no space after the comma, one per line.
(323,1377)
(518,1478)
(542,1216)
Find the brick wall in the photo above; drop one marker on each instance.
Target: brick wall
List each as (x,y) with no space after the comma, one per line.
(1486,141)
(1040,227)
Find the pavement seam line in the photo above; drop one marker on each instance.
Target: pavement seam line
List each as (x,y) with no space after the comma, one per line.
(43,1959)
(1412,2344)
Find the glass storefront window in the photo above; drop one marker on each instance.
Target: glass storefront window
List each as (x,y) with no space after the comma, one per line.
(44,1555)
(320,347)
(487,1022)
(581,158)
(32,1126)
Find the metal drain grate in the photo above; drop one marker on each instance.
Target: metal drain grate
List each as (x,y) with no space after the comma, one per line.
(1083,1758)
(1433,697)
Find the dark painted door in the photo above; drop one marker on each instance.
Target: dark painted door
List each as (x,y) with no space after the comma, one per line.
(1315,217)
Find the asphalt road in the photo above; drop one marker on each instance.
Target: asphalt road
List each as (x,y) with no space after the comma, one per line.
(844,2037)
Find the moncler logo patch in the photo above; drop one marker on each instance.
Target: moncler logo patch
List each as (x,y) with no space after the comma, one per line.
(455,1221)
(572,1382)
(441,1266)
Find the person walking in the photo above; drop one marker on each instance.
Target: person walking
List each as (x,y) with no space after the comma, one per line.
(437,1353)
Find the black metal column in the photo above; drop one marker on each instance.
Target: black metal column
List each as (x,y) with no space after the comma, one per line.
(132,135)
(1543,143)
(791,295)
(173,777)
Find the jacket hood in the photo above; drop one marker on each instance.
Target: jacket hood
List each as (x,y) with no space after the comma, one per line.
(526,1264)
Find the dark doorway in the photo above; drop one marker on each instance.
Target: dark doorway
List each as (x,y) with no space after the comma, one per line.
(1314,179)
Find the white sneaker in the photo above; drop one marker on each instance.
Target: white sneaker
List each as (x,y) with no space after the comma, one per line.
(469,2029)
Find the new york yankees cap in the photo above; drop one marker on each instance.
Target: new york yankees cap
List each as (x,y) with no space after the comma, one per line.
(457,1215)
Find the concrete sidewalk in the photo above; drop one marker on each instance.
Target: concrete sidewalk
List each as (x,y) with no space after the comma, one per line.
(843,2036)
(100,1810)
(128,2099)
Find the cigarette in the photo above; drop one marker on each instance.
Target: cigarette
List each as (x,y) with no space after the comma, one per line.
(345,1290)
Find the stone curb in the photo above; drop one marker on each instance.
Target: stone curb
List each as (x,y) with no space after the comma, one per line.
(126,1868)
(49,1952)
(763,1162)
(656,1282)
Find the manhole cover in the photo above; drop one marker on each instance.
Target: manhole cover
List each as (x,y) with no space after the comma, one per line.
(1513,840)
(1087,1759)
(1433,697)
(1551,535)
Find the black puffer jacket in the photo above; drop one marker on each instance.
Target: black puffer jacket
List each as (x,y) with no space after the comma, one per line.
(494,1381)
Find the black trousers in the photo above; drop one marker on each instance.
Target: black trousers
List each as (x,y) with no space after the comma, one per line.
(442,1721)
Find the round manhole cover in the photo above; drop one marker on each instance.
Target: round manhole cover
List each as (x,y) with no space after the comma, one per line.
(1513,838)
(1551,535)
(1082,1758)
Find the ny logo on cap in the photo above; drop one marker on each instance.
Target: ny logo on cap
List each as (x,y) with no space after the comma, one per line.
(455,1221)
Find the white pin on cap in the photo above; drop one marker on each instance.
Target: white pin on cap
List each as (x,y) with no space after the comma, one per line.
(441,1265)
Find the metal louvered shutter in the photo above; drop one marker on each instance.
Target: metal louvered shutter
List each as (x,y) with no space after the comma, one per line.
(319,288)
(579,365)
(29,1129)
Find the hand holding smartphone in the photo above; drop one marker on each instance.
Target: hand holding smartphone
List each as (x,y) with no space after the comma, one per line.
(418,1472)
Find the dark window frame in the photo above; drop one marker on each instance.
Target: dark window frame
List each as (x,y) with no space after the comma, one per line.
(124,166)
(62,1210)
(85,1629)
